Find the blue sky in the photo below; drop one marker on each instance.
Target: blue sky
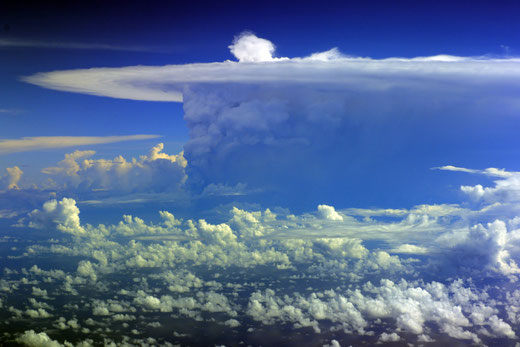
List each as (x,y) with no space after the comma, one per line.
(176,159)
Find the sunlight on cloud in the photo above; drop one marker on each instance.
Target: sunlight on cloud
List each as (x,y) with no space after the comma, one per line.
(47,142)
(11,178)
(155,172)
(257,65)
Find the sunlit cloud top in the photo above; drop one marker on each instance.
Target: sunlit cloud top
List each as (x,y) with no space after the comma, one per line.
(256,64)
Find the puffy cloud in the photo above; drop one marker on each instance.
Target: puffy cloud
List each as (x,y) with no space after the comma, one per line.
(39,313)
(251,224)
(45,142)
(506,189)
(185,267)
(62,215)
(247,47)
(412,308)
(328,212)
(33,339)
(486,246)
(333,343)
(155,172)
(393,337)
(11,178)
(86,269)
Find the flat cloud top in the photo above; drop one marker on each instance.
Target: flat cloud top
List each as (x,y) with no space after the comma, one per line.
(257,65)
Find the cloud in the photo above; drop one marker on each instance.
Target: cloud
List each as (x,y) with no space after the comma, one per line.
(11,178)
(409,249)
(296,125)
(491,247)
(155,172)
(393,337)
(33,339)
(48,142)
(10,111)
(21,43)
(506,189)
(186,267)
(328,212)
(492,172)
(62,215)
(248,48)
(257,65)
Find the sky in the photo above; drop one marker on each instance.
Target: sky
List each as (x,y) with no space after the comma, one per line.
(276,170)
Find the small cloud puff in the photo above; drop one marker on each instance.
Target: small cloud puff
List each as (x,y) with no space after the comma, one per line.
(328,212)
(11,178)
(63,215)
(247,47)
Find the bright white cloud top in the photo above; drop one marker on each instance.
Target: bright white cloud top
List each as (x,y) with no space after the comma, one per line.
(257,65)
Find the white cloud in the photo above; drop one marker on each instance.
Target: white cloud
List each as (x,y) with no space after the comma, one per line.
(155,172)
(328,212)
(48,142)
(148,83)
(11,178)
(39,313)
(393,337)
(331,54)
(326,106)
(505,190)
(409,249)
(63,215)
(32,339)
(248,48)
(493,172)
(484,247)
(333,343)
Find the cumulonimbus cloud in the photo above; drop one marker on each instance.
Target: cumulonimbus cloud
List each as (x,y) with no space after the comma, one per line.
(306,120)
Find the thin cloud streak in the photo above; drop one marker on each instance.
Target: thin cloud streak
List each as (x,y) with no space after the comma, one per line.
(9,43)
(25,144)
(9,111)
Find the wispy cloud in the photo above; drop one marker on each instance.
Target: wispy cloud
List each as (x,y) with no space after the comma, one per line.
(25,144)
(9,111)
(493,172)
(20,43)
